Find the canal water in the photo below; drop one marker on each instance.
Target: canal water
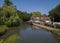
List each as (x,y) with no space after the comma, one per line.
(31,34)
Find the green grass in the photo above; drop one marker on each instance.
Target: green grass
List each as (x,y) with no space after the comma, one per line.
(56,31)
(3,28)
(11,39)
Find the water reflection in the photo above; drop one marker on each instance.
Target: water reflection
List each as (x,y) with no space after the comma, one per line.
(57,37)
(33,34)
(24,26)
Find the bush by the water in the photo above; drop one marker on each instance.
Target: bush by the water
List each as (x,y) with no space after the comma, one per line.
(3,28)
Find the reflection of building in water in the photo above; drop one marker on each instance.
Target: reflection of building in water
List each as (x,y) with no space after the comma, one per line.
(35,27)
(57,37)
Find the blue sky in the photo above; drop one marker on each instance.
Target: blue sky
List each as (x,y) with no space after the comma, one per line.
(43,6)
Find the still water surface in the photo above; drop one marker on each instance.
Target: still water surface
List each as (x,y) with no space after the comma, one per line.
(33,34)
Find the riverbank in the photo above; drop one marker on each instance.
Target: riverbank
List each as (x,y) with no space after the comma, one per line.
(7,37)
(54,30)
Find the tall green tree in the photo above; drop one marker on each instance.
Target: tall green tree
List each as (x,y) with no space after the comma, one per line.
(9,15)
(55,13)
(8,2)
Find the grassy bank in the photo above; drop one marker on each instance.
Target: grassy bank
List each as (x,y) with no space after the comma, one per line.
(54,30)
(11,39)
(3,28)
(10,35)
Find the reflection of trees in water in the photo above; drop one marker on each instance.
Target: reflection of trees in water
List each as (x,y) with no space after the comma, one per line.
(24,26)
(57,37)
(35,27)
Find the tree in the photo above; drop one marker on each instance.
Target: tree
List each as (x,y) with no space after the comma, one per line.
(55,13)
(24,15)
(8,2)
(9,15)
(36,13)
